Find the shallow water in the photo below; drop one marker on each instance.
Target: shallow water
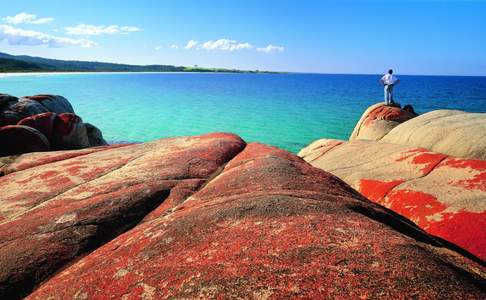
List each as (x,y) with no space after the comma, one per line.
(286,110)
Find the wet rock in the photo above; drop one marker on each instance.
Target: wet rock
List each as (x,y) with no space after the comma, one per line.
(16,139)
(378,120)
(270,226)
(444,195)
(53,211)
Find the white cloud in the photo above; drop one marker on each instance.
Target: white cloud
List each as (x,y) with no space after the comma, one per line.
(27,18)
(271,48)
(191,44)
(228,45)
(174,47)
(158,48)
(225,45)
(84,29)
(17,36)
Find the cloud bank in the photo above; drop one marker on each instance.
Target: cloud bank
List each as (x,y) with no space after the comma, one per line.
(84,29)
(17,36)
(228,45)
(26,18)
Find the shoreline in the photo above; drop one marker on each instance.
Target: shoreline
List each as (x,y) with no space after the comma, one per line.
(21,74)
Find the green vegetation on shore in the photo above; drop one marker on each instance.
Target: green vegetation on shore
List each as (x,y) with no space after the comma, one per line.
(23,63)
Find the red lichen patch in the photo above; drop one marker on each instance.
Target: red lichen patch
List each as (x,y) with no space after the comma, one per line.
(376,190)
(179,191)
(257,150)
(65,123)
(220,135)
(478,182)
(414,205)
(31,160)
(410,153)
(42,122)
(301,237)
(76,170)
(92,200)
(39,98)
(389,113)
(473,166)
(459,163)
(420,156)
(465,229)
(47,175)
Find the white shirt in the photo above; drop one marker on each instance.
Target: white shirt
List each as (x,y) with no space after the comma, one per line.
(389,79)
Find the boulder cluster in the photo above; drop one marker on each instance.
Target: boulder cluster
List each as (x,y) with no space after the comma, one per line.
(43,123)
(212,217)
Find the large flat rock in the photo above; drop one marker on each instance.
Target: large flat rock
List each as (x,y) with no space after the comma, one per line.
(57,206)
(444,195)
(270,226)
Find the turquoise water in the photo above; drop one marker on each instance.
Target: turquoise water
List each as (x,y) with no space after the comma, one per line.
(286,110)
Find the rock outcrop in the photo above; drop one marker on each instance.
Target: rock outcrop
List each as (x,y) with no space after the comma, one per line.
(444,195)
(50,116)
(54,209)
(268,226)
(379,119)
(451,132)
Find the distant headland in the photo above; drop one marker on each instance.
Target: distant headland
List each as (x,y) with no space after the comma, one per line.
(24,63)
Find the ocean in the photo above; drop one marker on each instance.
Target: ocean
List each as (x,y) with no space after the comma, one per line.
(285,110)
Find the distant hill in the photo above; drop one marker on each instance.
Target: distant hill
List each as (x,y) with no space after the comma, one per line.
(24,63)
(13,65)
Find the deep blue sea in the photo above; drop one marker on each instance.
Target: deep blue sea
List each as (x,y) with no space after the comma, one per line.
(286,110)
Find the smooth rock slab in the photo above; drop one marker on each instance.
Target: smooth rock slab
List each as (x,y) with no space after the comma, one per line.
(444,195)
(451,132)
(270,226)
(56,211)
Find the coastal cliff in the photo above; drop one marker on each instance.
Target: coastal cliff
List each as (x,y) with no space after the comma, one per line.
(209,217)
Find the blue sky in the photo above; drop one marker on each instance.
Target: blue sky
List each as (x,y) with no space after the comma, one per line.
(343,36)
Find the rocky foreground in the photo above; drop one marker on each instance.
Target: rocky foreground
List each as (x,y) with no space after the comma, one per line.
(211,217)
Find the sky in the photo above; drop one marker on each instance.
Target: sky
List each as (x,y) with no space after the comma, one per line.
(422,37)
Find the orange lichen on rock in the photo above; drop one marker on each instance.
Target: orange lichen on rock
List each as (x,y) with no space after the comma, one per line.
(376,189)
(269,226)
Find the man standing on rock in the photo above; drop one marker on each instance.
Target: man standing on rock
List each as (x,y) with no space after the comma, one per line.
(388,81)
